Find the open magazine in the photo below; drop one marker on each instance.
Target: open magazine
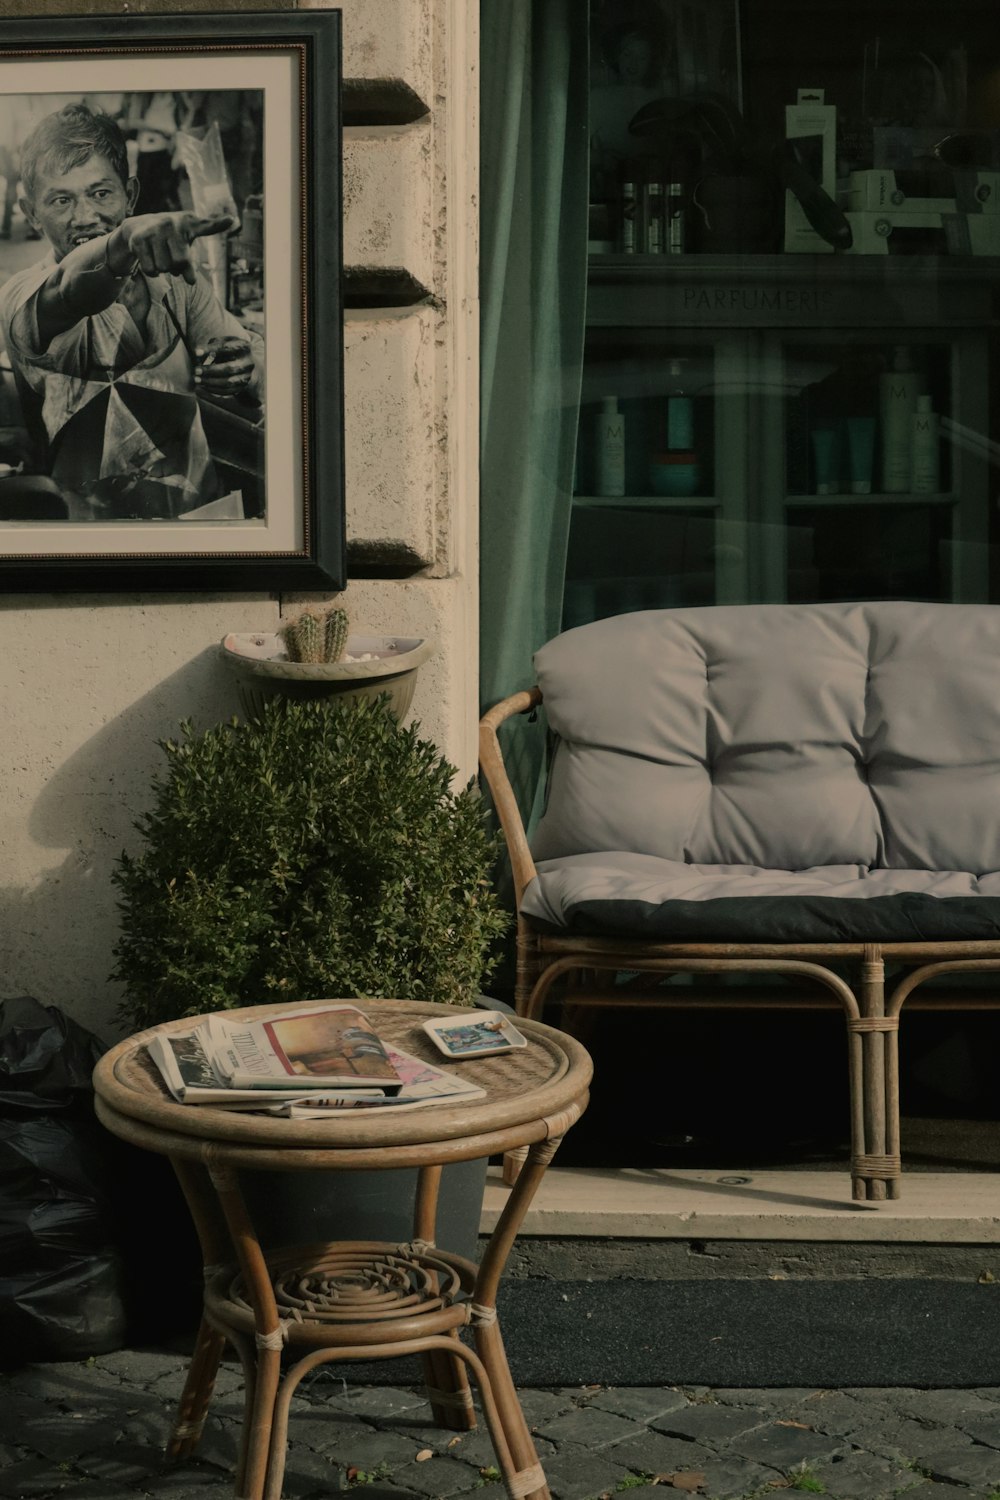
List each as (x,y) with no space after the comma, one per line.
(422,1084)
(187,1062)
(333,1047)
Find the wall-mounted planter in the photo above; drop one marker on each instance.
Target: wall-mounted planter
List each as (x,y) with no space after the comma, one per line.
(371,664)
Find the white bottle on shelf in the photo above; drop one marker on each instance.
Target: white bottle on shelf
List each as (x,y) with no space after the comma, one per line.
(610,448)
(899,389)
(926,450)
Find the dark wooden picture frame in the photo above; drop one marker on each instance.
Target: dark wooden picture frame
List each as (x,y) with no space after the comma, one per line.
(280,76)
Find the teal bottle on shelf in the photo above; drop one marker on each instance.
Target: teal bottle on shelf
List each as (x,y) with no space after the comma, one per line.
(674,468)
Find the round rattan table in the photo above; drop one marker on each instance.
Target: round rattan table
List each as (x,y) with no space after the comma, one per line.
(289,1310)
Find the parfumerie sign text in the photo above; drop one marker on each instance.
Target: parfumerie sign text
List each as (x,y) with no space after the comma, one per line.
(787,300)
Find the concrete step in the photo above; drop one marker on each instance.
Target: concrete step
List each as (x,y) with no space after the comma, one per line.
(660,1203)
(668,1225)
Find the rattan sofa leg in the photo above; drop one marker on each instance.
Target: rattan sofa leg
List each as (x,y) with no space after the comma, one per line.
(530,1003)
(530,967)
(876,1169)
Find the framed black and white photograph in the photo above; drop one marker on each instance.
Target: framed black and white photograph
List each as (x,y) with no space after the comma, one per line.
(171,368)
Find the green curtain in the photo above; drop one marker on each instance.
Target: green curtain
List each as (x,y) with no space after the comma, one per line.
(533,287)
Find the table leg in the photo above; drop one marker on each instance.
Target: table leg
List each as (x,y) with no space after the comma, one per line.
(527,1481)
(446,1378)
(200,1381)
(197,1393)
(446,1381)
(260,1427)
(245,1349)
(268,1337)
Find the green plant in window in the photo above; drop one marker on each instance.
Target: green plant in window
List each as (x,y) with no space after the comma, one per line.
(319,851)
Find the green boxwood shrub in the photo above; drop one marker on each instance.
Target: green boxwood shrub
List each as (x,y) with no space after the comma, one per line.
(317,851)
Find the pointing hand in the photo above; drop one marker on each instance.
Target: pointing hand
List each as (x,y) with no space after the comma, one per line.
(161,243)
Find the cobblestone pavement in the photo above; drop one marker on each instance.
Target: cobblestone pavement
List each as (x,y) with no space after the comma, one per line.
(94,1431)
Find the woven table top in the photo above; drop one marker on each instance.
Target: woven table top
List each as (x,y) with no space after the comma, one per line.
(526,1092)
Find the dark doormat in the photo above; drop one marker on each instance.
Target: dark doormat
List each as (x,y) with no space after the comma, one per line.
(739,1333)
(753,1333)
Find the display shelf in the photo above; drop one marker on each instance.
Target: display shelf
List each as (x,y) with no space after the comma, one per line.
(647,502)
(805,370)
(874,498)
(781,267)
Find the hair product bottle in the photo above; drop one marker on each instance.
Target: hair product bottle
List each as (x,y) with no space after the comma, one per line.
(674,468)
(630,217)
(860,452)
(898,392)
(652,214)
(926,452)
(675,233)
(610,448)
(826,458)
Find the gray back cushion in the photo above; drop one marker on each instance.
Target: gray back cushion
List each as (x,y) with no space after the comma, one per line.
(783,736)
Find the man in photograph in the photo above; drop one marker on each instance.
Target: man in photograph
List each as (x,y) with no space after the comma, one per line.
(115,333)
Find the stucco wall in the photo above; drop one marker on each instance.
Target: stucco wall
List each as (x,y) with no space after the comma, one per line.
(90,683)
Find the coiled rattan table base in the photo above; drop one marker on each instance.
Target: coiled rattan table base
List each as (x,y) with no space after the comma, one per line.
(353,1283)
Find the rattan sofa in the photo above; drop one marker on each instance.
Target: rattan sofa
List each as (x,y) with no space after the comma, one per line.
(804,791)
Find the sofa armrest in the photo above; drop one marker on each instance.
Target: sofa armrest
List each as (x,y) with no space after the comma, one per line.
(495,772)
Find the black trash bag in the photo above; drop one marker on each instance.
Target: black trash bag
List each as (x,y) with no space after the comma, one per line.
(163,1285)
(60,1272)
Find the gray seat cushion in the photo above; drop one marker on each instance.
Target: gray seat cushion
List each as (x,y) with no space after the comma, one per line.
(638,895)
(839,760)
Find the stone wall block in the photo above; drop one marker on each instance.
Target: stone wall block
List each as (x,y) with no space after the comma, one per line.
(393,460)
(386,39)
(388,181)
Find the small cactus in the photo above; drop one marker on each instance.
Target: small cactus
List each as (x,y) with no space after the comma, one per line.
(316,638)
(334,634)
(303,638)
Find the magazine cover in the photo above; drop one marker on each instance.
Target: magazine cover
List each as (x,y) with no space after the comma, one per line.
(334,1047)
(422,1084)
(187,1071)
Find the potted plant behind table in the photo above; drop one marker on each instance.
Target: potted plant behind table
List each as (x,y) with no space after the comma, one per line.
(318,850)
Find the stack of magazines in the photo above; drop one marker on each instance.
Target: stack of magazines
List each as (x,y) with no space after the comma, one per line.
(305,1063)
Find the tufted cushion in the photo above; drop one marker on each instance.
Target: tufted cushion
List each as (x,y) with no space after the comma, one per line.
(777,738)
